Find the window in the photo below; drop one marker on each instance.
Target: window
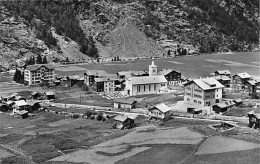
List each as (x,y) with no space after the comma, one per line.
(195,101)
(138,88)
(155,87)
(162,85)
(149,87)
(144,88)
(199,102)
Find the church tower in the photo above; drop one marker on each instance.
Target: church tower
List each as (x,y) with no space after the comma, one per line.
(152,68)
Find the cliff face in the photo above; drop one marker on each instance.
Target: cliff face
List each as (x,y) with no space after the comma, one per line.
(108,28)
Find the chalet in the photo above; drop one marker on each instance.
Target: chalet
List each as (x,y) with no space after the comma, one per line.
(223,106)
(252,86)
(20,106)
(224,80)
(202,92)
(90,75)
(239,80)
(173,77)
(35,95)
(123,122)
(17,98)
(124,104)
(50,95)
(254,120)
(39,73)
(238,102)
(160,111)
(223,73)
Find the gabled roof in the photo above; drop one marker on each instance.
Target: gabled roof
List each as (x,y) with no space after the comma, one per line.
(96,72)
(147,79)
(225,104)
(223,72)
(104,79)
(166,71)
(124,101)
(162,107)
(21,103)
(222,77)
(37,66)
(253,81)
(121,118)
(50,93)
(243,75)
(238,100)
(207,83)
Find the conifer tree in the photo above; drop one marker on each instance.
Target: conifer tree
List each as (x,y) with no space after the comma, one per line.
(44,60)
(39,59)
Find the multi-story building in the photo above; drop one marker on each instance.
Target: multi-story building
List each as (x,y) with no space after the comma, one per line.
(173,77)
(90,75)
(39,73)
(200,93)
(239,80)
(105,84)
(224,80)
(223,72)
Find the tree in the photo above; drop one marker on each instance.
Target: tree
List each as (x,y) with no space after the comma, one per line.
(169,53)
(44,61)
(67,59)
(39,59)
(15,75)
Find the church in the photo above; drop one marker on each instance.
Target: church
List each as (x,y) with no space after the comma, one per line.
(141,85)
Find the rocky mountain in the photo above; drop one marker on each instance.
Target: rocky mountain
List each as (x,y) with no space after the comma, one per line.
(81,29)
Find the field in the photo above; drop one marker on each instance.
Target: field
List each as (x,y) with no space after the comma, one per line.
(190,66)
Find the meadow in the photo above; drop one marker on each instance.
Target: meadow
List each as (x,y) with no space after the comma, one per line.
(189,66)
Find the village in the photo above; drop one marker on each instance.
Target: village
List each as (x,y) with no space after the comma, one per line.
(221,103)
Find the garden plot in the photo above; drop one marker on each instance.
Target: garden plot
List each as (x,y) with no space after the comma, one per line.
(220,144)
(132,144)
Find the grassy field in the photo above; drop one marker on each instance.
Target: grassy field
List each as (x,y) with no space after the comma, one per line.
(191,66)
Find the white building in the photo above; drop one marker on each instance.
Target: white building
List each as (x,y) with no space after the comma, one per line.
(38,73)
(200,93)
(151,84)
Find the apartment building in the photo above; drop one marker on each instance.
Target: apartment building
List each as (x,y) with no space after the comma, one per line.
(39,73)
(200,93)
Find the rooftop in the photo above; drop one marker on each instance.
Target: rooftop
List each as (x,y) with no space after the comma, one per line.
(104,79)
(21,103)
(124,101)
(244,75)
(166,71)
(147,79)
(221,77)
(162,107)
(37,66)
(207,83)
(121,118)
(223,72)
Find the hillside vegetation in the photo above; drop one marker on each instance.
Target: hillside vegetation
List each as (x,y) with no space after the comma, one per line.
(126,28)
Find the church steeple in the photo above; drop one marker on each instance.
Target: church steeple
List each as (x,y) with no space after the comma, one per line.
(152,68)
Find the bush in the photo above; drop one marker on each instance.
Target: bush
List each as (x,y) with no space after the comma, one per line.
(92,117)
(100,116)
(88,113)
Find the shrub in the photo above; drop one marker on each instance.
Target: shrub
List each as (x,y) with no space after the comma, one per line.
(88,113)
(99,116)
(92,117)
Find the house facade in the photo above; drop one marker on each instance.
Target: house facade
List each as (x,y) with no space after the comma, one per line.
(173,77)
(160,111)
(224,80)
(200,93)
(124,104)
(90,75)
(123,122)
(223,72)
(239,80)
(252,86)
(39,73)
(105,84)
